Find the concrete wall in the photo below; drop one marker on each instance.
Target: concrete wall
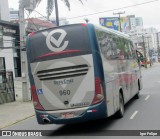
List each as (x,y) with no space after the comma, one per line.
(4,10)
(7,41)
(8,54)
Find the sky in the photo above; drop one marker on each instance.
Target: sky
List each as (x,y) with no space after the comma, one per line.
(149,12)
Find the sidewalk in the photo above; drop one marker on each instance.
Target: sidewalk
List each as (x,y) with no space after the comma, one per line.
(148,66)
(14,112)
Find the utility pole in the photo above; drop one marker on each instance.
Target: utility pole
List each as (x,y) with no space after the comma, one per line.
(144,48)
(119,18)
(24,67)
(158,48)
(57,13)
(149,51)
(30,6)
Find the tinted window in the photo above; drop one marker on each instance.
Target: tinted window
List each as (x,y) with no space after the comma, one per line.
(71,40)
(105,42)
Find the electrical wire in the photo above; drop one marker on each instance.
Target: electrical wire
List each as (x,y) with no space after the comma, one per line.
(31,20)
(111,10)
(40,14)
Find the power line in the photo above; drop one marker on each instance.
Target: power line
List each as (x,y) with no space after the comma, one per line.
(31,20)
(111,10)
(125,7)
(41,14)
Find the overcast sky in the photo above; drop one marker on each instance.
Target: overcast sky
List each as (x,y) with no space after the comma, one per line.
(149,12)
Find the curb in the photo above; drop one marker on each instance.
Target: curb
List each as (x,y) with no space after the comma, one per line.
(2,127)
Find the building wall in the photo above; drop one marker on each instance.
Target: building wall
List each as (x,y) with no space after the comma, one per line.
(8,54)
(136,23)
(6,41)
(14,14)
(4,10)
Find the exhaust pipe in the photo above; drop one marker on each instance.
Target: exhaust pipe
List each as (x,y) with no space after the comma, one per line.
(46,120)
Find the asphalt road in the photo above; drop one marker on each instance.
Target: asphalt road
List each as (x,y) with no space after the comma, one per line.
(140,114)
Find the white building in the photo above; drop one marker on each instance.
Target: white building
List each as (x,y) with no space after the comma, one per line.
(14,14)
(136,23)
(145,37)
(4,10)
(8,56)
(62,21)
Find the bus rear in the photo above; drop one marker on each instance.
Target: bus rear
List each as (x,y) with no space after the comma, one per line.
(62,75)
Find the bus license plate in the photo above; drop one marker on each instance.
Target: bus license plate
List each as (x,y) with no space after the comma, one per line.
(67,115)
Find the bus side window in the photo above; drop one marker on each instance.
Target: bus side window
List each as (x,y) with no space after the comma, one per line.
(120,48)
(133,52)
(105,42)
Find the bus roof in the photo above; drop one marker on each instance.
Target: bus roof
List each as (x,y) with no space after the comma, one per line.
(112,31)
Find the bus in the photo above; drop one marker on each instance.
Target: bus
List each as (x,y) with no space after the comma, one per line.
(81,72)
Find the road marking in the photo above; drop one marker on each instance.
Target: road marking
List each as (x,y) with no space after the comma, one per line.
(133,115)
(147,97)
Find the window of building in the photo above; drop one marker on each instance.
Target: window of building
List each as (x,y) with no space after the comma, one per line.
(1,37)
(2,63)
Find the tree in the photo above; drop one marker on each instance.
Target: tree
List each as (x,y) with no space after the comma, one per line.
(53,3)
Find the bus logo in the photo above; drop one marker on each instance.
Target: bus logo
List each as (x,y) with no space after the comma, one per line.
(55,44)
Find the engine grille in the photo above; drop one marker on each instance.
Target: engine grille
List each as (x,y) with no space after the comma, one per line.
(63,72)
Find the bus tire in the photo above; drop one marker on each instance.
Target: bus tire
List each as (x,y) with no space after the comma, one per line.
(137,95)
(120,112)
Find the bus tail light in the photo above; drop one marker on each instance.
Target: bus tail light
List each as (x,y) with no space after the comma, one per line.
(99,96)
(36,102)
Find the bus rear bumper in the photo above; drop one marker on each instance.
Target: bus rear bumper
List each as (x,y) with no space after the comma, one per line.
(94,112)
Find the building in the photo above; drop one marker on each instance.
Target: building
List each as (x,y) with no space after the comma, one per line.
(14,14)
(9,44)
(4,10)
(35,24)
(146,37)
(9,41)
(62,21)
(136,23)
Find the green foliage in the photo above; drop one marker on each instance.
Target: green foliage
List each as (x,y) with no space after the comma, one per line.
(67,4)
(51,5)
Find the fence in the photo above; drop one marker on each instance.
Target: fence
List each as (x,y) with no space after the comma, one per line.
(7,92)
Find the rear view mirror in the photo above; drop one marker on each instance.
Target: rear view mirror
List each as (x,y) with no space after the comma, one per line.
(140,56)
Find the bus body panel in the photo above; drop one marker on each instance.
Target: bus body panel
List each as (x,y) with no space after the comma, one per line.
(54,90)
(119,72)
(94,112)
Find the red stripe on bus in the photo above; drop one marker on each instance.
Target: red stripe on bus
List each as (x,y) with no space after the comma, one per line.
(58,53)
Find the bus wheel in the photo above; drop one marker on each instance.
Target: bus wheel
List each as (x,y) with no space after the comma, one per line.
(120,112)
(137,95)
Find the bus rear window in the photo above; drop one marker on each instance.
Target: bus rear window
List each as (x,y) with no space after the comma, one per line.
(55,43)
